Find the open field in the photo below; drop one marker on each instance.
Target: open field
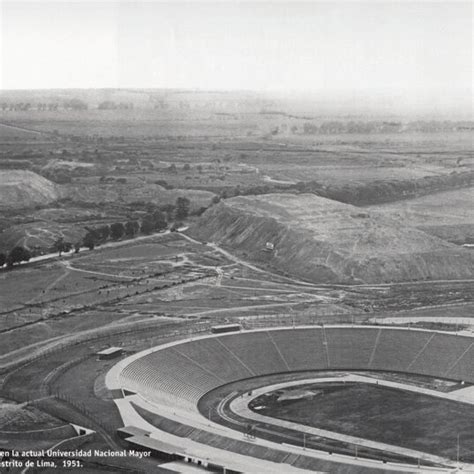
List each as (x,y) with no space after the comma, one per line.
(164,275)
(9,132)
(378,413)
(167,275)
(85,282)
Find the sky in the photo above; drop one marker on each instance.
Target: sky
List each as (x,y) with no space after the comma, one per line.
(416,51)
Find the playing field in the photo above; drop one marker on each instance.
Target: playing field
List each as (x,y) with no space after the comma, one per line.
(392,416)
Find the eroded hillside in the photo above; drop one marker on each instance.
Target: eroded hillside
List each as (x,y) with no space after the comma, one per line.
(327,241)
(22,189)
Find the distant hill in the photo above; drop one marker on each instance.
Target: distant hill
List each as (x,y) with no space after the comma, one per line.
(23,189)
(326,241)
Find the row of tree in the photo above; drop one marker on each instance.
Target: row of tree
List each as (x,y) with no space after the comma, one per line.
(362,126)
(150,223)
(16,255)
(111,105)
(25,106)
(70,104)
(154,221)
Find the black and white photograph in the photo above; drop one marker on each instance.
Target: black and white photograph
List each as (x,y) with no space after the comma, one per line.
(236,237)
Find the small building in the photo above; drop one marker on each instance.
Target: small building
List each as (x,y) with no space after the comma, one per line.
(269,246)
(110,353)
(225,328)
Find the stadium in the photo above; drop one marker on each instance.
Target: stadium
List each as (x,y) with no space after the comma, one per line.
(223,400)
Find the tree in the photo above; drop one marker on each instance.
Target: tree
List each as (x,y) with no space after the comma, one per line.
(131,228)
(169,209)
(103,232)
(90,240)
(3,259)
(147,225)
(77,246)
(159,220)
(182,207)
(117,230)
(59,245)
(186,167)
(18,254)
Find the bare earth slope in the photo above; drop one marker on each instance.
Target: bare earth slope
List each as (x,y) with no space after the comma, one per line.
(327,241)
(21,189)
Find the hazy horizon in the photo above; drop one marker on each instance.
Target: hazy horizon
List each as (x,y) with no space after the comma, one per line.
(412,57)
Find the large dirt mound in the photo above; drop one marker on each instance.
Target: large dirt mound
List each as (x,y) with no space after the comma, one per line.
(131,192)
(22,189)
(327,241)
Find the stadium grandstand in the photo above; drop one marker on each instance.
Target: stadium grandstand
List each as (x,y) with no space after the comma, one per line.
(162,386)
